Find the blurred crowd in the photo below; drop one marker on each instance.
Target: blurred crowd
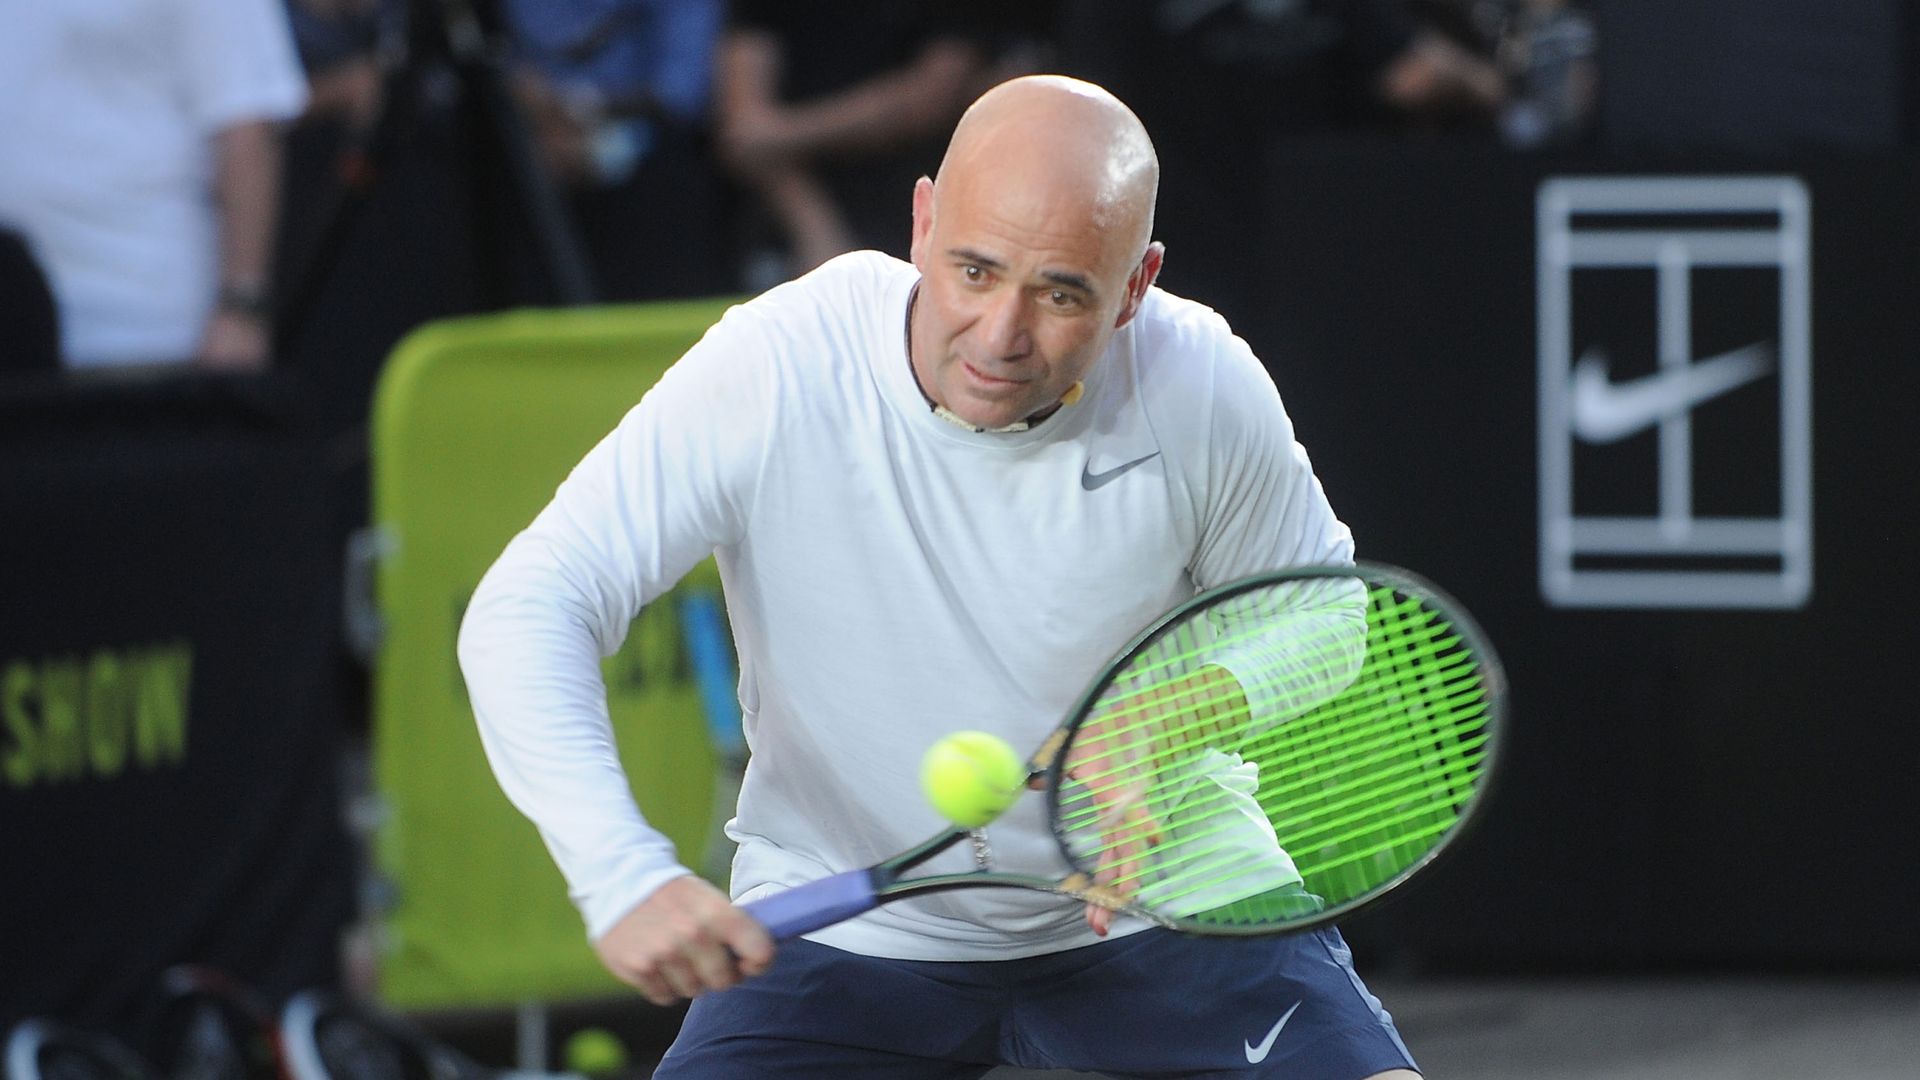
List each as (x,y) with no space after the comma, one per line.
(174,173)
(185,184)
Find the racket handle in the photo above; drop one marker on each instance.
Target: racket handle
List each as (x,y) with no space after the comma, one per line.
(805,908)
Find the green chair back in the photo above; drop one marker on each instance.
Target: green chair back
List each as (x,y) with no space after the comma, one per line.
(475,422)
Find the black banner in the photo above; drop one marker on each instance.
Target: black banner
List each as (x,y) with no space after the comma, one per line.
(170,710)
(1706,785)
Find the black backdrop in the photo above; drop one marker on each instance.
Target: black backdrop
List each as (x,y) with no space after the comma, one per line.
(170,694)
(1687,787)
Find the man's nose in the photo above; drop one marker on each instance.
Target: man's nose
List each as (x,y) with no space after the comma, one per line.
(1003,327)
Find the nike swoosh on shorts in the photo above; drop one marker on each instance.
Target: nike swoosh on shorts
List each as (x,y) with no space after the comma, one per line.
(1258,1054)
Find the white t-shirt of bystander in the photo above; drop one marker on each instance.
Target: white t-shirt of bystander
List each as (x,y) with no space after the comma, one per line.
(108,109)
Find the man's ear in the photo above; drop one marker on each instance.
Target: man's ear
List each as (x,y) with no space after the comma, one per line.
(1140,281)
(922,220)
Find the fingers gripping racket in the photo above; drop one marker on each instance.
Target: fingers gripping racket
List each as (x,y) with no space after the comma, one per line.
(1270,756)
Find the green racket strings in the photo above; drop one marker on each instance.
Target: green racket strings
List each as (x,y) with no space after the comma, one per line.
(1297,747)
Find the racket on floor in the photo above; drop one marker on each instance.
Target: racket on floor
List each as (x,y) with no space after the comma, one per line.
(327,1037)
(212,1026)
(41,1049)
(1270,756)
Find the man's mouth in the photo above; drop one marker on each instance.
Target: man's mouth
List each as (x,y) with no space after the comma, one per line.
(989,380)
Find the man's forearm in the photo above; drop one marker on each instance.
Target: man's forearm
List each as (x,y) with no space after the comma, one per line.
(247,166)
(885,110)
(891,108)
(1435,74)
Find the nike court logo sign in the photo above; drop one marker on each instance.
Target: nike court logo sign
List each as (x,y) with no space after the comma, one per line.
(1258,1054)
(1605,411)
(1094,481)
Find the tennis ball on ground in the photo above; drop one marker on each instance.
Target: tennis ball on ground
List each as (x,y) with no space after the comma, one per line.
(595,1052)
(970,776)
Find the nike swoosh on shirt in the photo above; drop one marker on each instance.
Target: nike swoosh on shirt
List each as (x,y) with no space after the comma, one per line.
(1605,411)
(1258,1054)
(1093,481)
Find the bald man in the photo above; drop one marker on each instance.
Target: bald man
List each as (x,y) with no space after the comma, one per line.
(941,495)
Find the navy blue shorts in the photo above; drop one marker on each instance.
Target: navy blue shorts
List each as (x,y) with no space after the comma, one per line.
(1153,1004)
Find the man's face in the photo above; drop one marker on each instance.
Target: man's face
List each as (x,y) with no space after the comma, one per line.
(1021,288)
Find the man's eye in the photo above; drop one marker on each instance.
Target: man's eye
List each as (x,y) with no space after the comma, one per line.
(973,273)
(1061,299)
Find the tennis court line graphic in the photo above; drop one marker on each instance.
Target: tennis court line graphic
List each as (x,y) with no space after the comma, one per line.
(1673,229)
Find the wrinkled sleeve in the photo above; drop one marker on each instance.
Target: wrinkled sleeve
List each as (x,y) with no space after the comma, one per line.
(1264,509)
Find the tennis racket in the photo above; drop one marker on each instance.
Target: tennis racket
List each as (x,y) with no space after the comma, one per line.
(327,1037)
(1270,756)
(41,1049)
(212,1026)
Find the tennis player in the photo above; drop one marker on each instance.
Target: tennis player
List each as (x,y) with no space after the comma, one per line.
(941,494)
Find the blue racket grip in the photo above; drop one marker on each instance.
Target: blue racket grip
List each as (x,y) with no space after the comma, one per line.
(805,908)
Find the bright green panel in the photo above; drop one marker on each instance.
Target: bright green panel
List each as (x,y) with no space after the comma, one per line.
(476,421)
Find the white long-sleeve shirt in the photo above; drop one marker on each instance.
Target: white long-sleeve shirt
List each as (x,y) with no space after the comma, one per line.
(890,577)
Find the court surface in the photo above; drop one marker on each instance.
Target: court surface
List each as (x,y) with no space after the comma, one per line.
(1652,1029)
(1627,1028)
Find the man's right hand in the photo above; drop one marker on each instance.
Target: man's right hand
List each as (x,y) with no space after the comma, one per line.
(683,941)
(1104,758)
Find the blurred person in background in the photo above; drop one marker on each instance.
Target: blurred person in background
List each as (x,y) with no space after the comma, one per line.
(1219,81)
(826,112)
(616,93)
(140,154)
(613,96)
(339,43)
(1548,52)
(1285,66)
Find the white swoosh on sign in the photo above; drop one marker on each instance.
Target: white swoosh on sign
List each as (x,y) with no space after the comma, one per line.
(1258,1054)
(1605,411)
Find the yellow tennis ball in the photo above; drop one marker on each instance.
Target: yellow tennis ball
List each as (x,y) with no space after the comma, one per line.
(970,776)
(595,1052)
